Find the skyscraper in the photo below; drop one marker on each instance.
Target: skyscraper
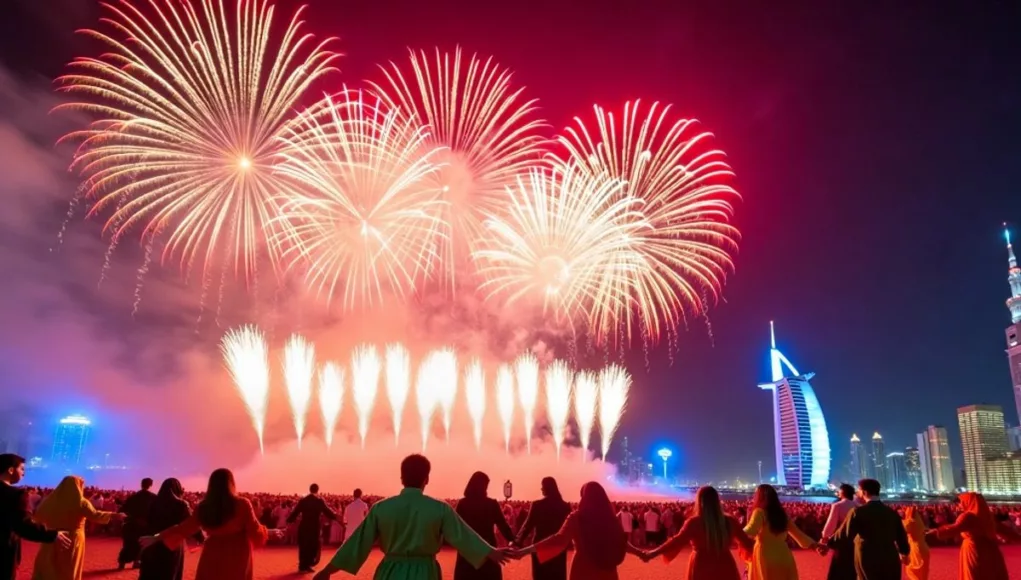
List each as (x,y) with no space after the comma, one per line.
(800,437)
(913,463)
(879,460)
(1014,330)
(859,459)
(1014,438)
(896,471)
(984,438)
(934,458)
(72,433)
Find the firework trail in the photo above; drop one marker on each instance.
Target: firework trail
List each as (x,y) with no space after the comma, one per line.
(558,400)
(299,370)
(563,241)
(361,221)
(398,383)
(140,277)
(475,396)
(247,359)
(505,402)
(365,370)
(526,370)
(487,130)
(426,396)
(72,206)
(614,385)
(331,397)
(586,392)
(108,255)
(201,95)
(686,205)
(445,369)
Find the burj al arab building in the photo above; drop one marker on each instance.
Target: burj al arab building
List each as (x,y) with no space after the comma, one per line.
(801,440)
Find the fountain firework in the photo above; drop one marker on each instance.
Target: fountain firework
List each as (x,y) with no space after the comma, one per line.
(526,370)
(299,368)
(398,383)
(331,398)
(365,368)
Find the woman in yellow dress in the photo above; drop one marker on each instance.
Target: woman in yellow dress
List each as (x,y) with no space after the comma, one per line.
(769,526)
(918,566)
(66,509)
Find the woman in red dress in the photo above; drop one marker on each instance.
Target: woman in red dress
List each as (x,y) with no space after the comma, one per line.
(981,558)
(711,534)
(231,529)
(596,533)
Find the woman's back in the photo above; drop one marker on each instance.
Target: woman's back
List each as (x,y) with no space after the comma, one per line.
(227,552)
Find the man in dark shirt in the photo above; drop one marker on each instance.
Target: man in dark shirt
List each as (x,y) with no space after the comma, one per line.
(880,542)
(16,520)
(310,531)
(136,508)
(545,517)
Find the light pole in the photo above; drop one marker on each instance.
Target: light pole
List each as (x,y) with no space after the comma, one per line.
(664,454)
(760,471)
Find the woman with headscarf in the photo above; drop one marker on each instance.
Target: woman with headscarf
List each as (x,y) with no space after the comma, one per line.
(711,534)
(231,528)
(769,526)
(595,531)
(980,558)
(66,509)
(544,518)
(917,567)
(482,513)
(168,509)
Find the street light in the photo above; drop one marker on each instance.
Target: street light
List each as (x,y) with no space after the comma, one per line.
(664,454)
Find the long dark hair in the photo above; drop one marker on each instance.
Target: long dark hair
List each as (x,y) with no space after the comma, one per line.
(600,537)
(220,501)
(709,508)
(768,501)
(477,486)
(171,488)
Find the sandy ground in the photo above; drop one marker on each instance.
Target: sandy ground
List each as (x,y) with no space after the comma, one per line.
(101,562)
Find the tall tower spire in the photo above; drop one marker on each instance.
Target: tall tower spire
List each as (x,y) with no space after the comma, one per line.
(1014,279)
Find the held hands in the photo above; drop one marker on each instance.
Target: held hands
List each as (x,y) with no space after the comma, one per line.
(276,534)
(822,549)
(147,541)
(118,517)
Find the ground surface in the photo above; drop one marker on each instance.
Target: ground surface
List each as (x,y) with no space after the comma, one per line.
(280,563)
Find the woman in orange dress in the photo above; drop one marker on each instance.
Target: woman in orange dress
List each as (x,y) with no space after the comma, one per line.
(231,529)
(771,558)
(917,567)
(66,509)
(597,535)
(711,534)
(981,558)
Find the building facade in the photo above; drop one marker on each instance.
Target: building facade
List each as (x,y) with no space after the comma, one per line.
(1013,331)
(1014,438)
(913,464)
(859,459)
(934,459)
(879,460)
(69,441)
(800,436)
(896,471)
(984,439)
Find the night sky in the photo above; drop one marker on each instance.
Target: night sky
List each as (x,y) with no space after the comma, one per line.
(876,150)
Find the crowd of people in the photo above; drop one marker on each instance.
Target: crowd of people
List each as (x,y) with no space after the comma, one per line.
(868,539)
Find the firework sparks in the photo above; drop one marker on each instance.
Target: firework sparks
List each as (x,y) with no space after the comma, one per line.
(445,367)
(614,386)
(362,214)
(487,128)
(586,392)
(365,370)
(331,397)
(426,397)
(526,370)
(475,396)
(505,402)
(398,383)
(558,400)
(247,359)
(190,100)
(299,369)
(686,241)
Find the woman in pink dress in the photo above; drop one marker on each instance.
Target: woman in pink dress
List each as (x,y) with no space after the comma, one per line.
(981,558)
(231,529)
(711,534)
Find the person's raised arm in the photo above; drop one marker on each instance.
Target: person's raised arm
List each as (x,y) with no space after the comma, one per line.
(801,538)
(831,522)
(964,523)
(327,510)
(293,516)
(528,526)
(98,517)
(22,524)
(501,523)
(755,523)
(673,546)
(354,551)
(174,536)
(554,545)
(846,532)
(468,544)
(256,532)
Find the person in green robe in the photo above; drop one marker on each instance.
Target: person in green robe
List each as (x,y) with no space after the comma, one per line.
(411,528)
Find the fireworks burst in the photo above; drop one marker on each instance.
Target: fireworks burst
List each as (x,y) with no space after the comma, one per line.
(189,101)
(558,400)
(362,214)
(247,359)
(365,370)
(475,396)
(686,241)
(586,391)
(526,369)
(505,402)
(299,369)
(487,130)
(398,383)
(331,397)
(614,386)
